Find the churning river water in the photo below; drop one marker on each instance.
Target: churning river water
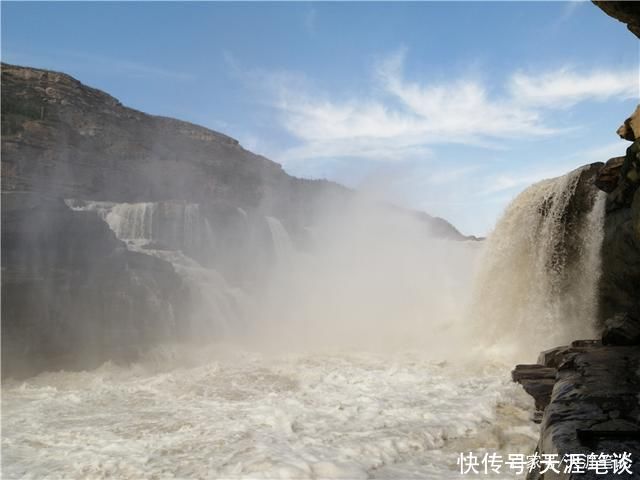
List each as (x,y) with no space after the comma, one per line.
(226,414)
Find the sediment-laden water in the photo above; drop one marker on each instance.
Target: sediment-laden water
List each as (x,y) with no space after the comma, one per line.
(243,415)
(435,383)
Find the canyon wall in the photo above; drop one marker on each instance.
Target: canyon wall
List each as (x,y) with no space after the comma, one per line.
(113,220)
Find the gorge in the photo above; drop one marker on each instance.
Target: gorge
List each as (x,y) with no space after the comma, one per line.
(176,306)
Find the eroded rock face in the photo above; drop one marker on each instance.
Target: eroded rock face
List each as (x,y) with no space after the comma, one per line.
(72,294)
(586,394)
(75,295)
(621,329)
(68,140)
(608,177)
(624,11)
(630,129)
(593,406)
(620,279)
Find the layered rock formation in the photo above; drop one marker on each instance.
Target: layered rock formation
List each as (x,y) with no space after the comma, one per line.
(73,294)
(587,394)
(620,283)
(111,217)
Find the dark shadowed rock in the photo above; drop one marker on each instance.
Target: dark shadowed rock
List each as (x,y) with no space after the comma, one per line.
(594,402)
(68,140)
(537,381)
(621,329)
(609,175)
(625,11)
(620,278)
(72,295)
(592,405)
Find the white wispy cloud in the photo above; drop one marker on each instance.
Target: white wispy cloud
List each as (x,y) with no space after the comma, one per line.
(396,119)
(566,87)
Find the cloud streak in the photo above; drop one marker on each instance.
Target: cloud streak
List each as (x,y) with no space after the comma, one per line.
(402,120)
(565,87)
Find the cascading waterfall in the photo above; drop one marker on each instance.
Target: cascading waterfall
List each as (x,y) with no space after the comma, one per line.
(282,244)
(537,278)
(354,373)
(132,221)
(216,307)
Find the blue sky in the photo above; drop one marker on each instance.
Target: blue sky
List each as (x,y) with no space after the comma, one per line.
(452,108)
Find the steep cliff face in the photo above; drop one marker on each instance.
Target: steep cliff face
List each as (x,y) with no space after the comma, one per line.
(620,281)
(624,11)
(68,140)
(586,394)
(112,220)
(65,139)
(72,294)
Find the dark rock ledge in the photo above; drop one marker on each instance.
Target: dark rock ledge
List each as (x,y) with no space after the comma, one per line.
(586,397)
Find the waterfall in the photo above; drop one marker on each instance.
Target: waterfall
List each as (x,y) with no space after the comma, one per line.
(132,221)
(536,286)
(176,225)
(170,231)
(281,241)
(195,233)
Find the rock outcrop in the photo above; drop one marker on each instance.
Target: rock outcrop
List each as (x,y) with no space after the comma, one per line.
(72,294)
(101,203)
(620,280)
(624,11)
(68,140)
(586,394)
(592,406)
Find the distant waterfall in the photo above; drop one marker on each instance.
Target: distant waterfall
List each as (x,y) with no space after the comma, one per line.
(281,241)
(132,221)
(170,231)
(176,225)
(538,275)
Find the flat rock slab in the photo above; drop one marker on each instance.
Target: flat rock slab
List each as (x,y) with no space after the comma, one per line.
(594,407)
(532,372)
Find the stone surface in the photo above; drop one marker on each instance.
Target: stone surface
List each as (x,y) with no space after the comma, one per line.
(72,294)
(593,405)
(68,140)
(537,381)
(609,175)
(624,11)
(619,290)
(621,329)
(630,129)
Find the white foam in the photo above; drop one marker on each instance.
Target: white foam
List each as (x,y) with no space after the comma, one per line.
(235,414)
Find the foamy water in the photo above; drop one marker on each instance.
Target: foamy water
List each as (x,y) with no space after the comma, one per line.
(227,413)
(243,415)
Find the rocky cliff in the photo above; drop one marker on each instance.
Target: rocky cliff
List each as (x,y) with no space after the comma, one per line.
(112,217)
(586,394)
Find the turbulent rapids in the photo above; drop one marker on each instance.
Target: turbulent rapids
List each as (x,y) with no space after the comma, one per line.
(373,352)
(249,416)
